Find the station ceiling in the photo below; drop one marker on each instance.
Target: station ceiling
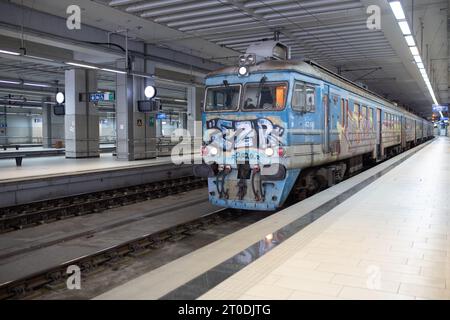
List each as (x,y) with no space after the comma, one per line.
(332,32)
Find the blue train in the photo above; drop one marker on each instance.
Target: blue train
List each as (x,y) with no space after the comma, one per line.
(275,129)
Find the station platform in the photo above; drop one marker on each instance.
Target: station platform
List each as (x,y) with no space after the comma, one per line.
(44,178)
(58,166)
(383,234)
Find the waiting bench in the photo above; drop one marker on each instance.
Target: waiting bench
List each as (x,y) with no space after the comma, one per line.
(18,158)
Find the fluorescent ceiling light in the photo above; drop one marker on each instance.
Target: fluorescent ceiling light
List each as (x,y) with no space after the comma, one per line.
(414,51)
(396,7)
(410,41)
(39,58)
(32,84)
(421,66)
(114,71)
(10,82)
(10,52)
(418,59)
(405,28)
(81,65)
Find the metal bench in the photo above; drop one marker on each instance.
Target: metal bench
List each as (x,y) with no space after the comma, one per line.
(18,158)
(17,146)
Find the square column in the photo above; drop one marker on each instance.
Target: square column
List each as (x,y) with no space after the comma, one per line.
(53,130)
(195,96)
(136,131)
(81,119)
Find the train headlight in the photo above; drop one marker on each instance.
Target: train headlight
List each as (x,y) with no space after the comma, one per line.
(243,71)
(269,152)
(213,151)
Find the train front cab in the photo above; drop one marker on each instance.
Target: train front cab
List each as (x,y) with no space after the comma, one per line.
(246,141)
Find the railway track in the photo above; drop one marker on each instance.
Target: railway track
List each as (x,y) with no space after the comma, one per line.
(57,275)
(36,213)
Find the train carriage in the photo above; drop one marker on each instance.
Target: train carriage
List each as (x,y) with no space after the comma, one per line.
(275,128)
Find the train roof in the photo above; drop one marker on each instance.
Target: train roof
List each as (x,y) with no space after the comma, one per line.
(311,68)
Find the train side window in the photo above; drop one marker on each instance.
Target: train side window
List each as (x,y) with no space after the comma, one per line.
(346,113)
(356,113)
(373,119)
(364,117)
(304,98)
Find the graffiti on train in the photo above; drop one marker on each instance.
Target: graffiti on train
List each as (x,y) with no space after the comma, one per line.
(234,134)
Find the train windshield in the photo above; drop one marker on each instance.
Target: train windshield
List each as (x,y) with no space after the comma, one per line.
(224,98)
(265,96)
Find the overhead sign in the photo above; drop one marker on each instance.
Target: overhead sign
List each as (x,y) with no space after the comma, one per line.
(102,96)
(437,108)
(161,116)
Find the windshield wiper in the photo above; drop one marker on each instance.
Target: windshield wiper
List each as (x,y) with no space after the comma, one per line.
(260,87)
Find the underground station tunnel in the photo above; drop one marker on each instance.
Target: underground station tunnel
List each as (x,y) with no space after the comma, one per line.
(224,150)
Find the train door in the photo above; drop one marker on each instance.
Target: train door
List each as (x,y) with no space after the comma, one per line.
(379,133)
(403,128)
(326,115)
(335,111)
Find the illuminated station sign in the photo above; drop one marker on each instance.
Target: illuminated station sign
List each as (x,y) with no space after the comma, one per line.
(102,96)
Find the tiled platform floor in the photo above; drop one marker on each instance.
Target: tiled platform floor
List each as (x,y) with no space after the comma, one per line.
(390,240)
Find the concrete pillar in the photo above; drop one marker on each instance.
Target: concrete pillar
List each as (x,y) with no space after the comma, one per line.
(81,119)
(195,96)
(136,131)
(3,126)
(53,130)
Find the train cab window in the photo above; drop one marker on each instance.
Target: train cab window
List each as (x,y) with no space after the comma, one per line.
(266,96)
(304,98)
(223,98)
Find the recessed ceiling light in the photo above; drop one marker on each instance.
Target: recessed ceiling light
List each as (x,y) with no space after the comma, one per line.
(410,41)
(414,51)
(405,28)
(396,7)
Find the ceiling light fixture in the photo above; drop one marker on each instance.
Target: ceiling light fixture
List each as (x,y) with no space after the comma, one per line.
(414,51)
(10,82)
(76,64)
(405,28)
(33,84)
(396,7)
(10,52)
(399,14)
(410,41)
(114,71)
